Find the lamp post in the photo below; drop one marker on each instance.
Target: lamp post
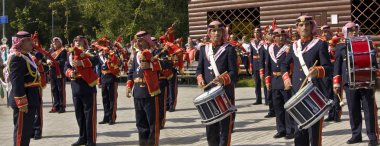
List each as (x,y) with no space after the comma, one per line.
(4,15)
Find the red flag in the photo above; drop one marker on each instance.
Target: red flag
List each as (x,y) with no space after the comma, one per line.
(274,24)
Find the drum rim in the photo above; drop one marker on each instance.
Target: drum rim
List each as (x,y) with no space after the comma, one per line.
(293,101)
(312,121)
(203,99)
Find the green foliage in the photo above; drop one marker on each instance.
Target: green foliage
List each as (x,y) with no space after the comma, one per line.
(96,18)
(246,82)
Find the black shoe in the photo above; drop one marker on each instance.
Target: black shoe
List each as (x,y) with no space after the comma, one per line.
(171,109)
(103,122)
(279,135)
(61,110)
(329,119)
(269,116)
(90,144)
(78,143)
(372,143)
(354,140)
(37,137)
(337,120)
(257,103)
(289,136)
(111,123)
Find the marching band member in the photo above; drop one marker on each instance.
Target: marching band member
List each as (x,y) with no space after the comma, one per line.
(210,65)
(24,97)
(80,69)
(37,57)
(108,80)
(58,82)
(176,56)
(276,54)
(256,47)
(335,112)
(166,73)
(263,54)
(143,80)
(304,53)
(357,99)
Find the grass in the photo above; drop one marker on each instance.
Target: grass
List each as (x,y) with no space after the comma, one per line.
(245,82)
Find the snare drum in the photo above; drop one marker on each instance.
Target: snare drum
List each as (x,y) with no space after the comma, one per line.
(308,106)
(360,54)
(213,105)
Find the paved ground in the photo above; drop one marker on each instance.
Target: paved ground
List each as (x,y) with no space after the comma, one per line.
(183,127)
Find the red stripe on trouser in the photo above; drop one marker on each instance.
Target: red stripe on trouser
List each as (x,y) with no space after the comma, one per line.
(114,103)
(20,123)
(165,95)
(229,131)
(375,114)
(320,132)
(156,128)
(94,119)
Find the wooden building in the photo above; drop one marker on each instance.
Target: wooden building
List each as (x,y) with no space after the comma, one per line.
(244,15)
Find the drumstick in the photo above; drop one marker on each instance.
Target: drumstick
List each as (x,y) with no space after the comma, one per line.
(304,81)
(341,103)
(209,84)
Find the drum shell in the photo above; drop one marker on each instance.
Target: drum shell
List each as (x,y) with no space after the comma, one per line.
(213,105)
(308,106)
(360,57)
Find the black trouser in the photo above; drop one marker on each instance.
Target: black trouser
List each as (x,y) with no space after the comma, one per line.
(58,92)
(173,91)
(147,120)
(23,126)
(256,77)
(219,134)
(284,122)
(362,99)
(245,60)
(109,94)
(38,121)
(269,100)
(85,112)
(162,101)
(311,136)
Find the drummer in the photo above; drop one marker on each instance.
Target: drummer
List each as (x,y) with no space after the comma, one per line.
(224,60)
(276,54)
(357,99)
(336,111)
(306,51)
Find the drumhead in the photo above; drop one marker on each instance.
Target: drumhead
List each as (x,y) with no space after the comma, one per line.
(299,95)
(213,92)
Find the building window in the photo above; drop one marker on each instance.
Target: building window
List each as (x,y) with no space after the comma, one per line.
(367,15)
(241,21)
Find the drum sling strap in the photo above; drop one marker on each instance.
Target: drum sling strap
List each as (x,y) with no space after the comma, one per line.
(297,48)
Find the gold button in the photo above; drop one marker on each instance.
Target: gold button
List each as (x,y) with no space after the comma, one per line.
(300,79)
(301,69)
